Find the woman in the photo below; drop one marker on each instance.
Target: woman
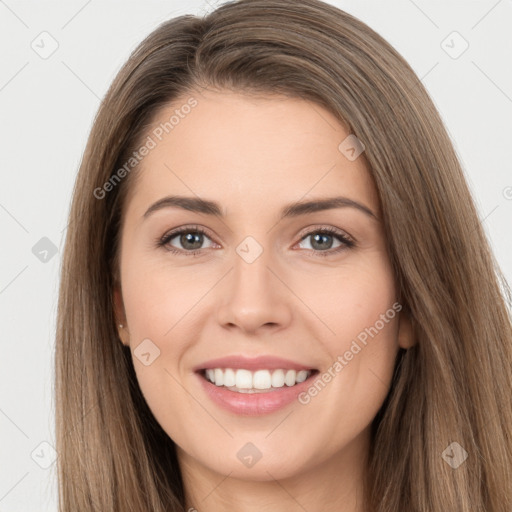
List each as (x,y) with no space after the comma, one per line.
(335,336)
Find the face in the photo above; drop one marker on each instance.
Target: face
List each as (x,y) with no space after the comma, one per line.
(291,310)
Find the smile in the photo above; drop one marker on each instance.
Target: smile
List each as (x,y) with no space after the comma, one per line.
(260,381)
(254,393)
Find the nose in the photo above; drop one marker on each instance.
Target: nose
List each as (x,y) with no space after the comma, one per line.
(253,298)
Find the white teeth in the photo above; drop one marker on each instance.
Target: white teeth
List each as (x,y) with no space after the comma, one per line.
(261,380)
(302,375)
(229,377)
(289,378)
(246,381)
(219,377)
(243,379)
(278,379)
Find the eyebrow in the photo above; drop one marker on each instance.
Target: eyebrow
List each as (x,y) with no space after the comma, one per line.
(198,205)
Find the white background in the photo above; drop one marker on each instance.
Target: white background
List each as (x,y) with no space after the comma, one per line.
(46,111)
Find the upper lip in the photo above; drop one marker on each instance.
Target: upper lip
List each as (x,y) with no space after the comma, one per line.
(265,362)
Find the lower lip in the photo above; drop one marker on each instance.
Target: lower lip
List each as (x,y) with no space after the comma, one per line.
(254,404)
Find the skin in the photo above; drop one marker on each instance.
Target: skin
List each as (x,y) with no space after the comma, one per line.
(253,155)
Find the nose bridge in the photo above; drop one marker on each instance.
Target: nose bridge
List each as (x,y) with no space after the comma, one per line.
(252,296)
(251,267)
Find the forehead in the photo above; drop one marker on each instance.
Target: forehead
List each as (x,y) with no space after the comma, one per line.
(249,152)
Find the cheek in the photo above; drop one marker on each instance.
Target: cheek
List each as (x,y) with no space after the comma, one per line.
(360,308)
(161,305)
(158,298)
(364,310)
(351,301)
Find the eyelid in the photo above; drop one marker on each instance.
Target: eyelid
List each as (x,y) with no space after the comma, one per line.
(314,228)
(188,227)
(164,240)
(346,240)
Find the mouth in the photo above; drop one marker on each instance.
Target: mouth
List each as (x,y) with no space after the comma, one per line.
(253,386)
(242,380)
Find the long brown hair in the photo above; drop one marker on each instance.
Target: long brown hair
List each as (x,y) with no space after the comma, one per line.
(453,385)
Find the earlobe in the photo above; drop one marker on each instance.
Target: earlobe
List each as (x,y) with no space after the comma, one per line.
(405,331)
(121,324)
(124,335)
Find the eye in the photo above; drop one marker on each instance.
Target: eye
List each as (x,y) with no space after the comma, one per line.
(322,241)
(190,239)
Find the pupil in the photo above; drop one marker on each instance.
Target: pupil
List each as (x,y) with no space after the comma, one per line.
(190,238)
(321,237)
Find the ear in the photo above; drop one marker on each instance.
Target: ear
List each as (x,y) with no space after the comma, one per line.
(405,330)
(124,334)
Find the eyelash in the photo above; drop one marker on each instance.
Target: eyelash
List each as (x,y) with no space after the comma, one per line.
(347,243)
